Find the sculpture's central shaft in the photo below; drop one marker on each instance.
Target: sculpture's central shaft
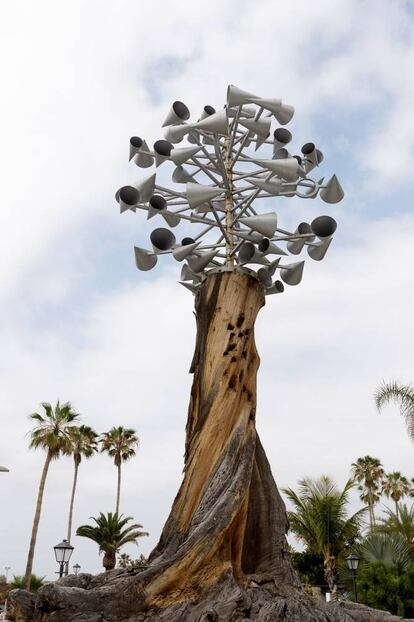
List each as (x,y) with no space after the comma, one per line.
(229,204)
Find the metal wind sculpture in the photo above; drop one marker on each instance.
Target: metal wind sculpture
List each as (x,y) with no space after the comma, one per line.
(223,179)
(222,553)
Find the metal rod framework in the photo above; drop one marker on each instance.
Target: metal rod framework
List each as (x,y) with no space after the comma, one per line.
(229,150)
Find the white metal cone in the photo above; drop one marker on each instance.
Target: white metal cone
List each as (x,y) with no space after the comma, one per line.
(172,220)
(266,224)
(173,118)
(182,176)
(144,260)
(237,97)
(276,288)
(273,266)
(256,258)
(197,264)
(285,114)
(197,194)
(295,246)
(271,248)
(146,188)
(333,192)
(287,168)
(216,123)
(175,133)
(188,275)
(318,251)
(182,252)
(273,105)
(264,277)
(274,186)
(160,159)
(260,127)
(133,150)
(292,273)
(143,160)
(181,155)
(260,141)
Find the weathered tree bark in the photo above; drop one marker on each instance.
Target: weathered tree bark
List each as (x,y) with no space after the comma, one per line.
(222,554)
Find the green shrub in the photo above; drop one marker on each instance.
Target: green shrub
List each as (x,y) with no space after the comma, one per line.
(383,586)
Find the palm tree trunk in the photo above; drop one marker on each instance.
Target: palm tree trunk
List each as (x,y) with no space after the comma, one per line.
(370,515)
(371,511)
(118,492)
(72,500)
(397,511)
(109,560)
(330,574)
(29,565)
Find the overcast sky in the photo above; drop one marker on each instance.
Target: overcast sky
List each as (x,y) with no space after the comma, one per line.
(80,323)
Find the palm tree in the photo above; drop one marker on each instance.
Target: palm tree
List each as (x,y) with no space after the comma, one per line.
(401,523)
(386,548)
(83,445)
(320,521)
(395,486)
(368,472)
(35,582)
(51,434)
(110,535)
(120,443)
(402,394)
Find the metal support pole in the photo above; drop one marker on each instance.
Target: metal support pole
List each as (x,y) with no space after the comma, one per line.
(229,204)
(355,585)
(61,569)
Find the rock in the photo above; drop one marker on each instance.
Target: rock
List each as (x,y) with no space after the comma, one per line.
(20,606)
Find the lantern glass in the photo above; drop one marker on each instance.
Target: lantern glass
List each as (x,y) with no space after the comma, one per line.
(63,551)
(353,562)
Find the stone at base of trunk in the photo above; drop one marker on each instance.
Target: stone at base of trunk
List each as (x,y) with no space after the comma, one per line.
(115,597)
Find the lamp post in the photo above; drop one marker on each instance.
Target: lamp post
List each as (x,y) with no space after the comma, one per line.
(353,563)
(7,568)
(76,569)
(63,552)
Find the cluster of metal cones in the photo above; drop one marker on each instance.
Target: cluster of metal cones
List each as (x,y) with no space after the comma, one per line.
(218,180)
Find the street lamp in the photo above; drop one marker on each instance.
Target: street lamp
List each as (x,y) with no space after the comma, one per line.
(63,552)
(353,563)
(76,569)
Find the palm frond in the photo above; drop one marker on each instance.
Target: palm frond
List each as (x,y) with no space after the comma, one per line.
(402,394)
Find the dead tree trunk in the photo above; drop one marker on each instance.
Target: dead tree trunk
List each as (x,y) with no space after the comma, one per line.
(222,554)
(228,516)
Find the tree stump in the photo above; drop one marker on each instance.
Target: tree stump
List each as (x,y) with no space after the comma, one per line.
(223,553)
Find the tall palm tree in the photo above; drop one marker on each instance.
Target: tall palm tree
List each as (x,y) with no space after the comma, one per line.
(51,433)
(401,523)
(83,445)
(110,534)
(368,472)
(395,486)
(402,394)
(320,521)
(120,443)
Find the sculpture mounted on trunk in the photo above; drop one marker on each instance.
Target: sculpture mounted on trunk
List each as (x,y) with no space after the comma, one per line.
(222,554)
